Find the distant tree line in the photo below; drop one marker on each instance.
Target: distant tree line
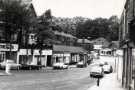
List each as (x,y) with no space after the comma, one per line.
(84,27)
(99,27)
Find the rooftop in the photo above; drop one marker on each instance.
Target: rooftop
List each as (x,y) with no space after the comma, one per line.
(70,49)
(64,34)
(84,41)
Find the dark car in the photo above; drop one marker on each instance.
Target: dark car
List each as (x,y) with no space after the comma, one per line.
(81,64)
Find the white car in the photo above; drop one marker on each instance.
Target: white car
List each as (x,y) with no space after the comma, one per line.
(10,63)
(60,65)
(97,72)
(108,68)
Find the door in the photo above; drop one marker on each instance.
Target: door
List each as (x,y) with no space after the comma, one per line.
(49,60)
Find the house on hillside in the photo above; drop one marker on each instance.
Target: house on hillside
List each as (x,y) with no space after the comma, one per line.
(100,43)
(85,43)
(65,38)
(104,47)
(111,50)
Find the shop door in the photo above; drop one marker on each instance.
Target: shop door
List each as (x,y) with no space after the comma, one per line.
(49,61)
(43,60)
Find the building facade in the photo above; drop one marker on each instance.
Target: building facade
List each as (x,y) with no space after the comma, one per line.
(34,57)
(10,45)
(127,44)
(69,54)
(65,38)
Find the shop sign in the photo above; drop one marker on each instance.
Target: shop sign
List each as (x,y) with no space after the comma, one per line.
(8,47)
(47,52)
(44,52)
(35,52)
(25,52)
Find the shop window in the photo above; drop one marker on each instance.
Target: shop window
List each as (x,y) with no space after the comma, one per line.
(2,56)
(23,59)
(60,59)
(11,55)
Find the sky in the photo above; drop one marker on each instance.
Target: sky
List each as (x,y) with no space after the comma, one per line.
(85,8)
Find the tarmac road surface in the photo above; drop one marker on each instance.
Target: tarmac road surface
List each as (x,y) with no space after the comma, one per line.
(71,79)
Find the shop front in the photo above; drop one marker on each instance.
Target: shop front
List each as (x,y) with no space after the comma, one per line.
(34,57)
(8,51)
(43,58)
(69,54)
(75,57)
(62,57)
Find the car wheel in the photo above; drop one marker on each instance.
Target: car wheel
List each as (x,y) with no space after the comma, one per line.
(90,76)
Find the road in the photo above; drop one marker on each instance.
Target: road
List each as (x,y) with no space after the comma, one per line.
(71,79)
(48,79)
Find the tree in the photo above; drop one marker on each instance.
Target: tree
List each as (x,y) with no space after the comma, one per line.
(44,33)
(16,17)
(48,15)
(99,27)
(114,27)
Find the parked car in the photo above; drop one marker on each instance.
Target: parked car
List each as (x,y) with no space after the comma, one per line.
(81,64)
(99,63)
(97,72)
(60,65)
(12,64)
(107,68)
(72,63)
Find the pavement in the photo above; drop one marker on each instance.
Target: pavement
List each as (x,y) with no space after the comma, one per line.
(3,74)
(109,82)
